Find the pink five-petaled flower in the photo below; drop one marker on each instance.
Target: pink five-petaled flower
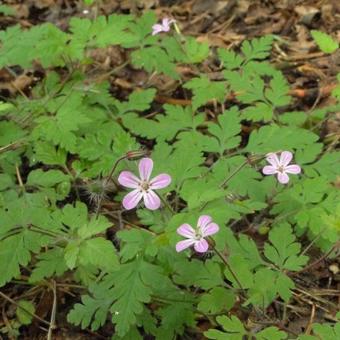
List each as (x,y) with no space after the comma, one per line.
(205,227)
(163,27)
(143,186)
(280,166)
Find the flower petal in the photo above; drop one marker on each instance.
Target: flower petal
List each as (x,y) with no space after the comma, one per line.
(285,158)
(186,230)
(282,177)
(161,181)
(128,180)
(210,229)
(157,28)
(201,246)
(181,245)
(203,221)
(273,159)
(269,170)
(131,199)
(293,169)
(145,168)
(151,200)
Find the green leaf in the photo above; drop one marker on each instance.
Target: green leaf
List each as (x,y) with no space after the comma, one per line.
(98,252)
(261,111)
(216,301)
(271,333)
(195,52)
(93,309)
(325,42)
(138,101)
(277,93)
(47,179)
(7,10)
(227,130)
(24,314)
(49,154)
(230,59)
(154,59)
(258,48)
(204,90)
(195,273)
(49,264)
(284,251)
(163,127)
(233,329)
(130,293)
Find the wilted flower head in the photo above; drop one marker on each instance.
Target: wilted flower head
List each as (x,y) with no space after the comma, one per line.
(205,227)
(280,166)
(143,186)
(163,27)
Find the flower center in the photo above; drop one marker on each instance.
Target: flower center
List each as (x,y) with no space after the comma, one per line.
(280,169)
(198,234)
(145,185)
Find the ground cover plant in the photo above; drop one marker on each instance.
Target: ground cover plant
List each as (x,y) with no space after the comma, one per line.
(202,209)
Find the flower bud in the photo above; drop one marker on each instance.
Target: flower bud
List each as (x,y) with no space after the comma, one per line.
(136,154)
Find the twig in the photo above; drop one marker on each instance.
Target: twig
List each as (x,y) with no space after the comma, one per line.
(53,312)
(310,322)
(323,257)
(24,309)
(21,184)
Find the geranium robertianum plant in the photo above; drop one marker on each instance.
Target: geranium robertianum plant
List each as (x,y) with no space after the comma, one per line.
(210,176)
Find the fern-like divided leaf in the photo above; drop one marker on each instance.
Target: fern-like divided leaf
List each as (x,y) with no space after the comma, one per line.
(284,251)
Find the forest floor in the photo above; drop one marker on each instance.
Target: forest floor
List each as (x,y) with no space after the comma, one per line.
(225,23)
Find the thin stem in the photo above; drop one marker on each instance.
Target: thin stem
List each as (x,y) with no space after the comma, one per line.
(23,308)
(239,168)
(225,261)
(167,205)
(108,179)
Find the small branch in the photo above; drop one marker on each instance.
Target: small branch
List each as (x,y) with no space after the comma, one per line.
(52,325)
(24,309)
(21,184)
(323,257)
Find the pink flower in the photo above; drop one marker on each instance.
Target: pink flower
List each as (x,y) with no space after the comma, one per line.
(163,27)
(143,186)
(205,227)
(280,166)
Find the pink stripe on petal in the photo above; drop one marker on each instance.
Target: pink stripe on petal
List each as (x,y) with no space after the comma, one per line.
(203,221)
(145,168)
(186,230)
(201,246)
(273,159)
(282,177)
(293,169)
(132,199)
(210,229)
(128,179)
(151,200)
(269,170)
(285,158)
(181,245)
(161,181)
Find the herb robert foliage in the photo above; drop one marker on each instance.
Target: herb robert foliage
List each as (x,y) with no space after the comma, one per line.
(80,117)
